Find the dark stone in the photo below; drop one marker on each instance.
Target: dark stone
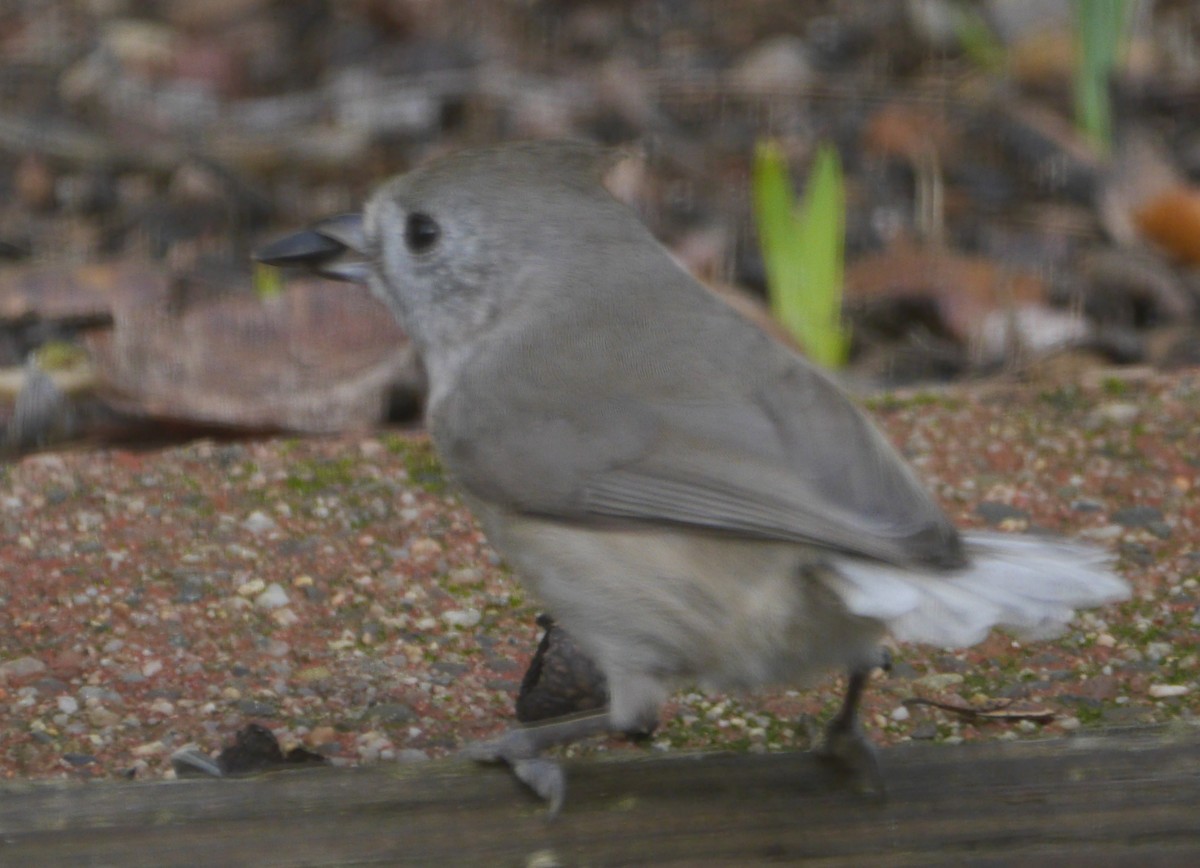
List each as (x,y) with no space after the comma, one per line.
(255,748)
(924,731)
(1137,553)
(1137,516)
(51,686)
(1160,529)
(79,759)
(994,512)
(390,712)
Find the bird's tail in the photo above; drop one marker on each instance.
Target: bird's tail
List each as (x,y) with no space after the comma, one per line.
(1031,585)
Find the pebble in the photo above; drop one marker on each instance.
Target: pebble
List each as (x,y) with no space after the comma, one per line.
(68,704)
(938,681)
(777,64)
(464,576)
(1119,413)
(424,547)
(251,588)
(101,717)
(259,522)
(22,667)
(285,617)
(1164,691)
(994,512)
(901,713)
(462,617)
(1137,516)
(390,712)
(274,597)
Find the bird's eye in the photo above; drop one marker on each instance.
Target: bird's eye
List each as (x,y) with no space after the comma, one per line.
(421,232)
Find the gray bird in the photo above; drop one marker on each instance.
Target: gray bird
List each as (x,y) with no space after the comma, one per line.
(692,501)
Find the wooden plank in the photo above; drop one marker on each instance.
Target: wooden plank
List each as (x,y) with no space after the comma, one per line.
(1113,799)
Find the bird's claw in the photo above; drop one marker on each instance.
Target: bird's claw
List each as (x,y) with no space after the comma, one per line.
(546,778)
(542,775)
(849,750)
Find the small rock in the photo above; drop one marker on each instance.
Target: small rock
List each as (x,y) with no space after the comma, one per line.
(924,731)
(259,522)
(390,712)
(22,667)
(465,618)
(994,512)
(68,704)
(939,681)
(1119,413)
(424,547)
(776,65)
(151,668)
(1103,533)
(1163,691)
(102,717)
(464,576)
(79,759)
(285,617)
(274,597)
(901,713)
(314,673)
(323,735)
(251,588)
(1137,516)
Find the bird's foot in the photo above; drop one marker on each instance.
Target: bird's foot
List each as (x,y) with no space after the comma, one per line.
(848,750)
(542,775)
(521,748)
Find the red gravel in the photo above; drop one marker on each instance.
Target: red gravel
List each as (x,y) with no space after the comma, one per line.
(329,590)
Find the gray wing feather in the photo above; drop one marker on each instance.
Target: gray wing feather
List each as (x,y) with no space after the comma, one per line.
(646,426)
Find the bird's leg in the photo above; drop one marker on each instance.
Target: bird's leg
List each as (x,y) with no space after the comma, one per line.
(521,748)
(846,744)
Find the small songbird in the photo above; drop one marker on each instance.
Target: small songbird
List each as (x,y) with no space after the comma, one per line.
(692,501)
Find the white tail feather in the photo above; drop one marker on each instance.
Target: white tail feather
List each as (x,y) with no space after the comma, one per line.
(1028,584)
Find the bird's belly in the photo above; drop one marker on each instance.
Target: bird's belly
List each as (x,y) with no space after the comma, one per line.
(681,606)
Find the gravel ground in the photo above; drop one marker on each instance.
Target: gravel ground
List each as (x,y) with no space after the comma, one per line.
(334,591)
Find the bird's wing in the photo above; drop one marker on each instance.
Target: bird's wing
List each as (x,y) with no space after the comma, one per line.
(777,453)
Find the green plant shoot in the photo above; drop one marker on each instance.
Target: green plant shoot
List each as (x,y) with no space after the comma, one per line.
(267,281)
(803,248)
(1099,25)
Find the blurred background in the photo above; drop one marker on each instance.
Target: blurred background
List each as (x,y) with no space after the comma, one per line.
(1009,189)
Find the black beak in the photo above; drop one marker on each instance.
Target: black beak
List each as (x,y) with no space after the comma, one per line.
(332,248)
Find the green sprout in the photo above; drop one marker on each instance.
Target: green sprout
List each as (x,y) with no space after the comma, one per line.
(1099,26)
(803,246)
(267,281)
